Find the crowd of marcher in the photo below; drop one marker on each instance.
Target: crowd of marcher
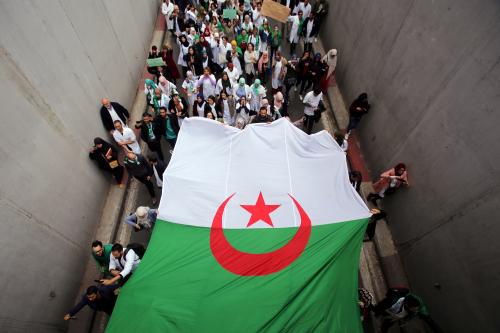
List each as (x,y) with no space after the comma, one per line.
(232,69)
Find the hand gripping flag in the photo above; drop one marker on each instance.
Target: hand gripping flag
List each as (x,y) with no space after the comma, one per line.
(259,231)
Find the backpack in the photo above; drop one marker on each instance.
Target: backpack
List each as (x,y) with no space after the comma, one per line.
(138,249)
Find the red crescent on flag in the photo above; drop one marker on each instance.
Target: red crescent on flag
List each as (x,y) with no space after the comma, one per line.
(251,264)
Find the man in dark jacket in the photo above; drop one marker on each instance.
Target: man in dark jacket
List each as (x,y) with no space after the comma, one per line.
(139,168)
(262,116)
(158,169)
(168,125)
(112,111)
(151,134)
(101,298)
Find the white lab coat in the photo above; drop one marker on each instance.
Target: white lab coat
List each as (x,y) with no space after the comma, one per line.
(276,82)
(294,31)
(167,10)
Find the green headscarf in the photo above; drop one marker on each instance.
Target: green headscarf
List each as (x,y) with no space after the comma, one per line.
(150,84)
(256,86)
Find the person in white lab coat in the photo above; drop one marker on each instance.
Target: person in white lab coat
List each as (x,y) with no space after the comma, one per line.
(167,9)
(295,31)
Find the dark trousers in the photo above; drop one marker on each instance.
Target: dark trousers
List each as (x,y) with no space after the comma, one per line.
(308,123)
(148,184)
(353,123)
(118,173)
(288,86)
(249,78)
(172,142)
(305,84)
(156,147)
(308,47)
(273,52)
(372,224)
(293,46)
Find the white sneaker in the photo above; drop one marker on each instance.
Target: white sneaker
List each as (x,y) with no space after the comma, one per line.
(315,40)
(295,88)
(171,151)
(300,97)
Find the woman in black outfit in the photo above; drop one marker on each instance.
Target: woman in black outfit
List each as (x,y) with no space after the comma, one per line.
(106,157)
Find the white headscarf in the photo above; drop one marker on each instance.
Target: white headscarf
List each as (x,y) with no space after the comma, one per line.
(330,59)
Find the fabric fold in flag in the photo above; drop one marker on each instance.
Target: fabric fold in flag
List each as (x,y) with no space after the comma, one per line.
(259,231)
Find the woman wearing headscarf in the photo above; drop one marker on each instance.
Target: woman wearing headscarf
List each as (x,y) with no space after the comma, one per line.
(236,56)
(207,83)
(232,73)
(242,90)
(183,51)
(149,90)
(106,157)
(262,67)
(243,111)
(330,58)
(389,182)
(190,89)
(316,71)
(224,84)
(192,36)
(199,106)
(167,87)
(167,54)
(279,108)
(257,93)
(202,46)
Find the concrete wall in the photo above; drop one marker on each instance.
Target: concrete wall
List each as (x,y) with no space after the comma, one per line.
(57,59)
(431,70)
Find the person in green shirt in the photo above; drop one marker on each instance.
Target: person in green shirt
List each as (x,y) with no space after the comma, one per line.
(275,40)
(101,254)
(169,126)
(242,40)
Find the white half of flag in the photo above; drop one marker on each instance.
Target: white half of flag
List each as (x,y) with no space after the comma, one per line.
(212,161)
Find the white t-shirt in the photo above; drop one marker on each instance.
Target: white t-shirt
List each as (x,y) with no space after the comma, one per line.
(128,134)
(309,98)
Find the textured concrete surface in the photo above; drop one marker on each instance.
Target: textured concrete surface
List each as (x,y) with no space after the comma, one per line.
(57,59)
(431,70)
(118,205)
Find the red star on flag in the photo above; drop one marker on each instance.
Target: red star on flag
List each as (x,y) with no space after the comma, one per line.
(260,211)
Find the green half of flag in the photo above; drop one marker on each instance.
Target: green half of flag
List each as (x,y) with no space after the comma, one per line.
(180,287)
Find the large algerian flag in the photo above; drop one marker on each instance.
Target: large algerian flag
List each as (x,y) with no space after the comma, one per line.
(259,231)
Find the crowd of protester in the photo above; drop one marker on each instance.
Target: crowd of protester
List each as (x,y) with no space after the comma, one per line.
(234,71)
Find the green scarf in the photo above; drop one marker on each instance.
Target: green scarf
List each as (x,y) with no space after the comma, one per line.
(301,23)
(156,104)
